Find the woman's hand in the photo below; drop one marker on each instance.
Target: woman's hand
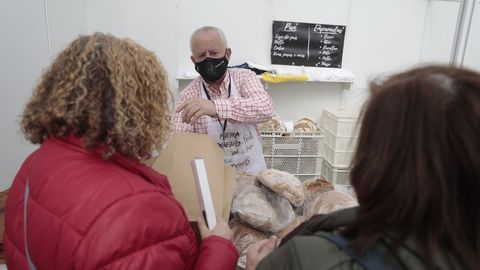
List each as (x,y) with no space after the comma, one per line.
(221,229)
(259,250)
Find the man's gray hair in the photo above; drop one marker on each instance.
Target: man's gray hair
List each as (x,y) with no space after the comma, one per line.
(208,29)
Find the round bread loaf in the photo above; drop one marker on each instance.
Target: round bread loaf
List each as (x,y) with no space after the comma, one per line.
(328,202)
(305,124)
(243,237)
(273,125)
(284,184)
(316,185)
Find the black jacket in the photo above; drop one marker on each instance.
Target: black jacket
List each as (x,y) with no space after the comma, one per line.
(307,248)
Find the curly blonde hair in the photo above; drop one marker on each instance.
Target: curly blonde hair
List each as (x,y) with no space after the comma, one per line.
(108,91)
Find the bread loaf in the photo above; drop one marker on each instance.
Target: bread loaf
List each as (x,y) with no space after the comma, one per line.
(253,208)
(284,213)
(284,184)
(328,202)
(243,237)
(305,124)
(241,181)
(262,209)
(290,227)
(316,185)
(274,124)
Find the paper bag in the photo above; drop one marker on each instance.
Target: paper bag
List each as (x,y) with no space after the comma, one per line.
(174,161)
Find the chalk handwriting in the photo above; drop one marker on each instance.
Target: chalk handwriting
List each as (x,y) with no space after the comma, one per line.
(306,44)
(328,29)
(290,28)
(331,48)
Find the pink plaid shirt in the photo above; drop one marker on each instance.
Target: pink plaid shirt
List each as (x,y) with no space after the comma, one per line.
(254,105)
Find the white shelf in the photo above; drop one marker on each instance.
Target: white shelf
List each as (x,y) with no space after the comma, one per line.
(346,85)
(260,77)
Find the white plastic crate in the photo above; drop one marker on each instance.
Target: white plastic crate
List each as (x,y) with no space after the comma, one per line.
(336,175)
(338,158)
(342,144)
(299,153)
(342,124)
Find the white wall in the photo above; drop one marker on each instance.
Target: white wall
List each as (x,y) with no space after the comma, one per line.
(151,23)
(382,36)
(244,23)
(67,19)
(438,40)
(295,100)
(472,54)
(25,52)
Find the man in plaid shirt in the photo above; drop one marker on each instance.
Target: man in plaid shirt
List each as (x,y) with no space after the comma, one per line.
(224,103)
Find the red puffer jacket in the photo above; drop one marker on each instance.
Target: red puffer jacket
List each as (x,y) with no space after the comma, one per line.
(83,212)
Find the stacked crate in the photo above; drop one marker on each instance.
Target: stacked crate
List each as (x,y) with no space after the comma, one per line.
(340,139)
(299,153)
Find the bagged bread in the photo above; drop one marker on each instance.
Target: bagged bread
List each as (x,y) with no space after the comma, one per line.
(290,227)
(305,124)
(243,237)
(346,188)
(285,184)
(284,213)
(328,202)
(241,181)
(253,208)
(274,124)
(315,186)
(262,209)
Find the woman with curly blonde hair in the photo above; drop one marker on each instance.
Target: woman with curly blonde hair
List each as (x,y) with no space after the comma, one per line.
(84,200)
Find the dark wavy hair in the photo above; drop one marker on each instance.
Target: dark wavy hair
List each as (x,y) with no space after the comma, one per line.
(416,170)
(108,91)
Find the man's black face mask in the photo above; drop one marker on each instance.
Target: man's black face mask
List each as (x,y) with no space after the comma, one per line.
(212,69)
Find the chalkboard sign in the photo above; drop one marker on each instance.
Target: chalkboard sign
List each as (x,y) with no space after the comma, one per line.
(307,44)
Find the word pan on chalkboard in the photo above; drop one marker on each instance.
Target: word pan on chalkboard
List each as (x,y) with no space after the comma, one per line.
(307,44)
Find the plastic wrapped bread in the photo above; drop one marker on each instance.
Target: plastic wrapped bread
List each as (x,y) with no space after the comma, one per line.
(274,124)
(241,181)
(243,237)
(262,209)
(345,188)
(284,184)
(305,124)
(328,202)
(284,213)
(253,208)
(290,227)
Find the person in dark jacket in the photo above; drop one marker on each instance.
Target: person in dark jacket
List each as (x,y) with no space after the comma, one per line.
(416,174)
(83,199)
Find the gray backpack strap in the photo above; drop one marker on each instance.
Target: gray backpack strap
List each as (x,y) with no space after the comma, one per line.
(372,260)
(31,266)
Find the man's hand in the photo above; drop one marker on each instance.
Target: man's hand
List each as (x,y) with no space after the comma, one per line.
(193,109)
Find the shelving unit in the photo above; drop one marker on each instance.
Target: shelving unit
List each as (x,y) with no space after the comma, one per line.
(346,85)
